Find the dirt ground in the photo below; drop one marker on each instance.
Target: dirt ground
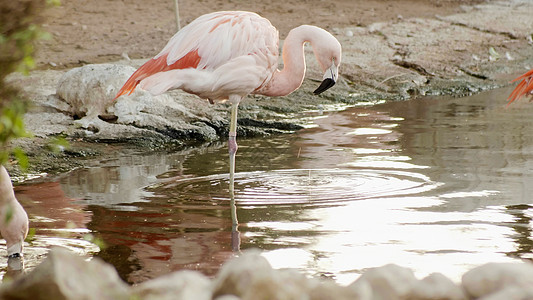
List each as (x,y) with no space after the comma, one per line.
(96,31)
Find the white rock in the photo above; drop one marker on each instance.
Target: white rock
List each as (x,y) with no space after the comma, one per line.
(388,282)
(246,276)
(437,287)
(329,290)
(511,292)
(175,286)
(492,277)
(250,276)
(227,297)
(65,275)
(90,89)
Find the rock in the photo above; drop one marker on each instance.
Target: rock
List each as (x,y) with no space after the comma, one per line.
(511,292)
(90,89)
(175,286)
(249,276)
(228,297)
(44,124)
(297,286)
(184,116)
(492,277)
(329,290)
(437,287)
(387,282)
(64,275)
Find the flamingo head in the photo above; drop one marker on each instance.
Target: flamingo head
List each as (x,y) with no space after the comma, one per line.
(328,54)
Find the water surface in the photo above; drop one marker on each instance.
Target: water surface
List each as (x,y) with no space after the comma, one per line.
(436,185)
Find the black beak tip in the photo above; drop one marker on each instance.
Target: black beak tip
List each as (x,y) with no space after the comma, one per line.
(326,84)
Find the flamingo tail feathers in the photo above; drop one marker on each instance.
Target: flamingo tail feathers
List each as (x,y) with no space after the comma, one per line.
(157,65)
(523,88)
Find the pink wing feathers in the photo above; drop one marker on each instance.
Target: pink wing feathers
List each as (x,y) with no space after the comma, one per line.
(156,65)
(523,88)
(210,41)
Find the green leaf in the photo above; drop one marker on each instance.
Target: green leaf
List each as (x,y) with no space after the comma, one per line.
(58,144)
(493,55)
(31,235)
(22,158)
(53,2)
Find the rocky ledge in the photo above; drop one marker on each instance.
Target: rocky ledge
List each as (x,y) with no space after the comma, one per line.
(64,275)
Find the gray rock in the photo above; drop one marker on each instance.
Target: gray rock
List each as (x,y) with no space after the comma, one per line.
(88,92)
(176,114)
(388,282)
(90,89)
(329,290)
(437,287)
(492,277)
(175,286)
(44,124)
(511,292)
(227,297)
(248,276)
(65,275)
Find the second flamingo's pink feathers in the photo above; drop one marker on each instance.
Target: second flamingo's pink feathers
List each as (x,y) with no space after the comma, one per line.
(524,88)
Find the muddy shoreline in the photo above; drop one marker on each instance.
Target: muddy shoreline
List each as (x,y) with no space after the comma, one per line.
(404,58)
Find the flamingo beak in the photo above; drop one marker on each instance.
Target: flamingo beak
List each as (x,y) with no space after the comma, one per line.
(329,79)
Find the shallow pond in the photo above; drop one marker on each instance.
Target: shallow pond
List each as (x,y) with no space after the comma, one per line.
(431,184)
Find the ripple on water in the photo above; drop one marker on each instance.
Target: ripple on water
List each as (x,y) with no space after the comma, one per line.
(299,186)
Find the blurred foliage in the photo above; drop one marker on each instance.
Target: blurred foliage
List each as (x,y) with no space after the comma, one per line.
(19,30)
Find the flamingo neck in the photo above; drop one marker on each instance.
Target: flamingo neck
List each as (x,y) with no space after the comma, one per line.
(6,188)
(291,77)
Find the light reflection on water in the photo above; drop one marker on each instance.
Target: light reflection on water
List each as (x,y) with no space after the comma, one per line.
(431,184)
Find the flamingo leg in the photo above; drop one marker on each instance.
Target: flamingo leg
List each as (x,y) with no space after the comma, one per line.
(232,147)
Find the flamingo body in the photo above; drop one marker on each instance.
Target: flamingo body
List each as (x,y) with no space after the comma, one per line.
(233,53)
(524,88)
(13,219)
(212,56)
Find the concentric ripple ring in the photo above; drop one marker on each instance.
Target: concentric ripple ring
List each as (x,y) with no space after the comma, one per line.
(301,186)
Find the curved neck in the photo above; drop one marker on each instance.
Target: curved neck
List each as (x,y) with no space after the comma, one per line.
(291,77)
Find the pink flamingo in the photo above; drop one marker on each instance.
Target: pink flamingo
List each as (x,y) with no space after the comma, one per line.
(524,88)
(228,55)
(13,218)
